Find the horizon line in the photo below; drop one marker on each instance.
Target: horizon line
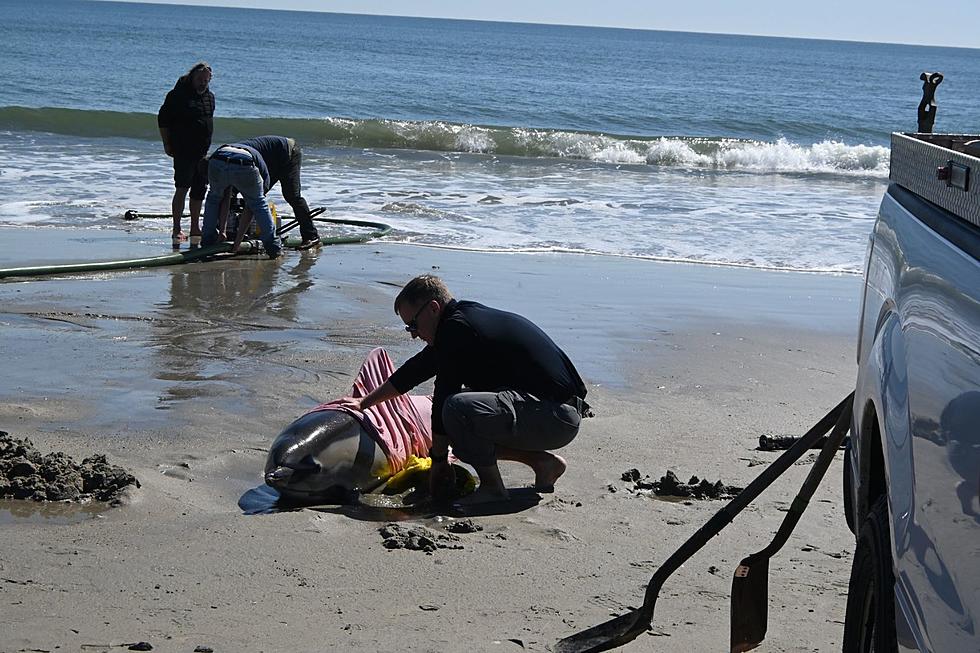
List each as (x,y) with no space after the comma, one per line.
(525,22)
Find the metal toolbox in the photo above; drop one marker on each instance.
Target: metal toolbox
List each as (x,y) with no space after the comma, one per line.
(942,168)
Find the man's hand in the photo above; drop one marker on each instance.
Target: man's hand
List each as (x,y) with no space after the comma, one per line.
(442,481)
(165,138)
(384,392)
(352,403)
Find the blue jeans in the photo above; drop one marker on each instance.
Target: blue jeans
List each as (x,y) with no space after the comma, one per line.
(248,181)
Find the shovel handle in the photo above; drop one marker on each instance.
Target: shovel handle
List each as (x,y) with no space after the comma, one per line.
(625,628)
(786,460)
(724,516)
(817,472)
(750,582)
(244,222)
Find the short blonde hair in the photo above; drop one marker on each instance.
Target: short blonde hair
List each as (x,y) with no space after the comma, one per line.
(422,289)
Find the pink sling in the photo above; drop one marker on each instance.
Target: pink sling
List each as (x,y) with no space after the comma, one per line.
(401,426)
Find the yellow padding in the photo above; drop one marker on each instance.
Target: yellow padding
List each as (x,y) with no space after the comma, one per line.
(416,472)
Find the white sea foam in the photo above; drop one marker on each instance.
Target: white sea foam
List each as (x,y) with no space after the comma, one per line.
(475,139)
(780,156)
(816,222)
(826,156)
(618,152)
(667,151)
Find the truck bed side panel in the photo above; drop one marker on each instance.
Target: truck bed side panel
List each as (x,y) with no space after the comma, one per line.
(924,289)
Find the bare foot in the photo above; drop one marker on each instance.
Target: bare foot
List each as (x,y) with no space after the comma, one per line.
(548,470)
(482,495)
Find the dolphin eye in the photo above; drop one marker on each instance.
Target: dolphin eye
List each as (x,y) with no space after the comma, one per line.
(308,464)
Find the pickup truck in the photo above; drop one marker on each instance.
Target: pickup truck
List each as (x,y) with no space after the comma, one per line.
(912,465)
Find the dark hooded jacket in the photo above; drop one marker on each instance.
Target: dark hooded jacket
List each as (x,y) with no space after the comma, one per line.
(190,118)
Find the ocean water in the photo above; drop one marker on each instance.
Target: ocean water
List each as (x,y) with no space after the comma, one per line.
(718,149)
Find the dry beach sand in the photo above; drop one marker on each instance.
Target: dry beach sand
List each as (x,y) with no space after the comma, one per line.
(184,376)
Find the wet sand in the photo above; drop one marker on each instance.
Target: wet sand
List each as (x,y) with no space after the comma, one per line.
(185,375)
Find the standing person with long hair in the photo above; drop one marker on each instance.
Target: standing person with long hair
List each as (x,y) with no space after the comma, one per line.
(186,122)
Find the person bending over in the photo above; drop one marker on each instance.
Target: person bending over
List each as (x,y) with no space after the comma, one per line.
(503,389)
(186,122)
(239,166)
(283,159)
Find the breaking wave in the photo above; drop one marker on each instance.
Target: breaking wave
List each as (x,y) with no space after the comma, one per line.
(441,136)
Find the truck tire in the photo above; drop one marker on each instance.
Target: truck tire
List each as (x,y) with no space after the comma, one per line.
(869,622)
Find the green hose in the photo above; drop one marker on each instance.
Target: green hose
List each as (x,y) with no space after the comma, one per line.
(177,258)
(380,229)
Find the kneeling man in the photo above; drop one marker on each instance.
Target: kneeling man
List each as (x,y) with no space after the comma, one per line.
(503,389)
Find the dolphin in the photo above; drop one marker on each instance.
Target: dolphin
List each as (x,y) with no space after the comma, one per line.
(332,455)
(327,456)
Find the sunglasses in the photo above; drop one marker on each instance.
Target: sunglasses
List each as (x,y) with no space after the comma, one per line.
(413,325)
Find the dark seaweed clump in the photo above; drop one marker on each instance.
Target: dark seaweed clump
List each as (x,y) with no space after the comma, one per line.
(26,474)
(670,486)
(783,442)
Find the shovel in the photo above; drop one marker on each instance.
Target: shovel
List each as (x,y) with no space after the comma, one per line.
(244,222)
(750,584)
(625,628)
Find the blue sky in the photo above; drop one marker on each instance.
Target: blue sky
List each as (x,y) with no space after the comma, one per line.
(951,22)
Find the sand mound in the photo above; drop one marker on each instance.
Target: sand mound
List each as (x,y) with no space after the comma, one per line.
(417,538)
(26,474)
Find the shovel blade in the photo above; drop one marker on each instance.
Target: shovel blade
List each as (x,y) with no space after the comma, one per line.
(750,603)
(611,634)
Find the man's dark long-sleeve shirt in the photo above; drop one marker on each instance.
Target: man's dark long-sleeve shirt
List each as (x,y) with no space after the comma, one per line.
(488,350)
(274,157)
(189,116)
